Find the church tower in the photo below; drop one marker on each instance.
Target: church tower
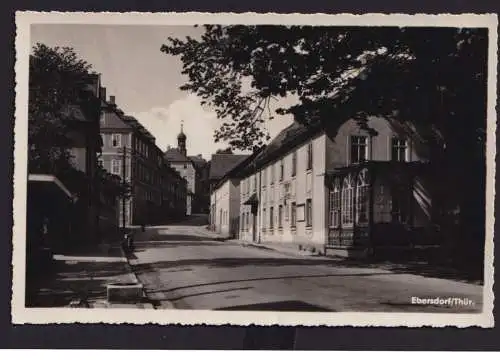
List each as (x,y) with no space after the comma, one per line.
(181,140)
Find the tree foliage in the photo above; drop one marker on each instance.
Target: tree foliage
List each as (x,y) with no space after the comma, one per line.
(432,78)
(57,79)
(336,72)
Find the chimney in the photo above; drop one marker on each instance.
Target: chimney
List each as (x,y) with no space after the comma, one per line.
(102,93)
(112,99)
(199,155)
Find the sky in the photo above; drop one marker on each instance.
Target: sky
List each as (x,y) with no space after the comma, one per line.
(144,80)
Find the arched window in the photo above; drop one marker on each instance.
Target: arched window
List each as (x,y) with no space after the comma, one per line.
(334,204)
(362,200)
(348,201)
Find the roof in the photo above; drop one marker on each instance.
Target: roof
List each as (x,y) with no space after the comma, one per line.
(221,164)
(288,138)
(236,170)
(174,155)
(198,161)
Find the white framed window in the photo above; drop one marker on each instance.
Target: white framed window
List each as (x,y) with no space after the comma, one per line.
(358,149)
(362,201)
(334,205)
(280,216)
(116,140)
(293,215)
(399,149)
(309,156)
(347,201)
(264,218)
(116,166)
(271,217)
(309,211)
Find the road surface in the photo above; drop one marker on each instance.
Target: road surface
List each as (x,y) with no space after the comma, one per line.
(183,267)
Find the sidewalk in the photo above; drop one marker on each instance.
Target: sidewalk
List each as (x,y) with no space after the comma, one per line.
(420,268)
(78,278)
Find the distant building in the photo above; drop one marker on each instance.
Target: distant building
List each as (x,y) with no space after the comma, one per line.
(346,190)
(220,166)
(130,151)
(191,168)
(225,199)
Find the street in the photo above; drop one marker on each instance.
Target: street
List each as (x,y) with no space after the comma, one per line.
(183,266)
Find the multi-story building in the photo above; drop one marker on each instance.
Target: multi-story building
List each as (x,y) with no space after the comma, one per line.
(201,201)
(220,166)
(174,193)
(178,159)
(225,200)
(83,133)
(347,190)
(129,150)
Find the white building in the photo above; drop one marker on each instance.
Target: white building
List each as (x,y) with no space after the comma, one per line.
(225,193)
(342,190)
(178,160)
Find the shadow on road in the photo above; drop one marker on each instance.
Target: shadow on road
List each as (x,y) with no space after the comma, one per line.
(286,277)
(278,306)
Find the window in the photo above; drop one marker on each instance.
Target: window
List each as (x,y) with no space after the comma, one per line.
(116,167)
(359,149)
(271,217)
(293,215)
(362,198)
(294,163)
(264,218)
(116,140)
(100,163)
(102,119)
(309,212)
(334,205)
(272,173)
(347,201)
(282,170)
(309,156)
(399,149)
(280,216)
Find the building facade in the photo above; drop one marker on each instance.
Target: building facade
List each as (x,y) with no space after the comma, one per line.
(177,158)
(130,151)
(345,190)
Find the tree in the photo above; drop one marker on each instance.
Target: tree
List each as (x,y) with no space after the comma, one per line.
(57,79)
(227,150)
(431,78)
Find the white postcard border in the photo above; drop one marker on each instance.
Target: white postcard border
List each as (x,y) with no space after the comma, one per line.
(23,315)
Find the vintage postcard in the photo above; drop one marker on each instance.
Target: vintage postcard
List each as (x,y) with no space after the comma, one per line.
(197,168)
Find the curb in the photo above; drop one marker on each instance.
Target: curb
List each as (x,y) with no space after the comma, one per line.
(282,251)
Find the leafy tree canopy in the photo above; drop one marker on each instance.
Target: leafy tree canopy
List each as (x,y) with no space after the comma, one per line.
(432,77)
(57,79)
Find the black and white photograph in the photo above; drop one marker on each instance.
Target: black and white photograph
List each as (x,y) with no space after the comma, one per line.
(198,168)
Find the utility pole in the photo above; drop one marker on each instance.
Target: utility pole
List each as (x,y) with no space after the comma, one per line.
(124,159)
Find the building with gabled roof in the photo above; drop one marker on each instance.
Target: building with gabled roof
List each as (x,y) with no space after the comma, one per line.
(348,188)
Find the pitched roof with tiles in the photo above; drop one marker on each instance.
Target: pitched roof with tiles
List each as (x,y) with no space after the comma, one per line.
(221,164)
(287,139)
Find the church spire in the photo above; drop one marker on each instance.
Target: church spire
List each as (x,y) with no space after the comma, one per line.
(181,140)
